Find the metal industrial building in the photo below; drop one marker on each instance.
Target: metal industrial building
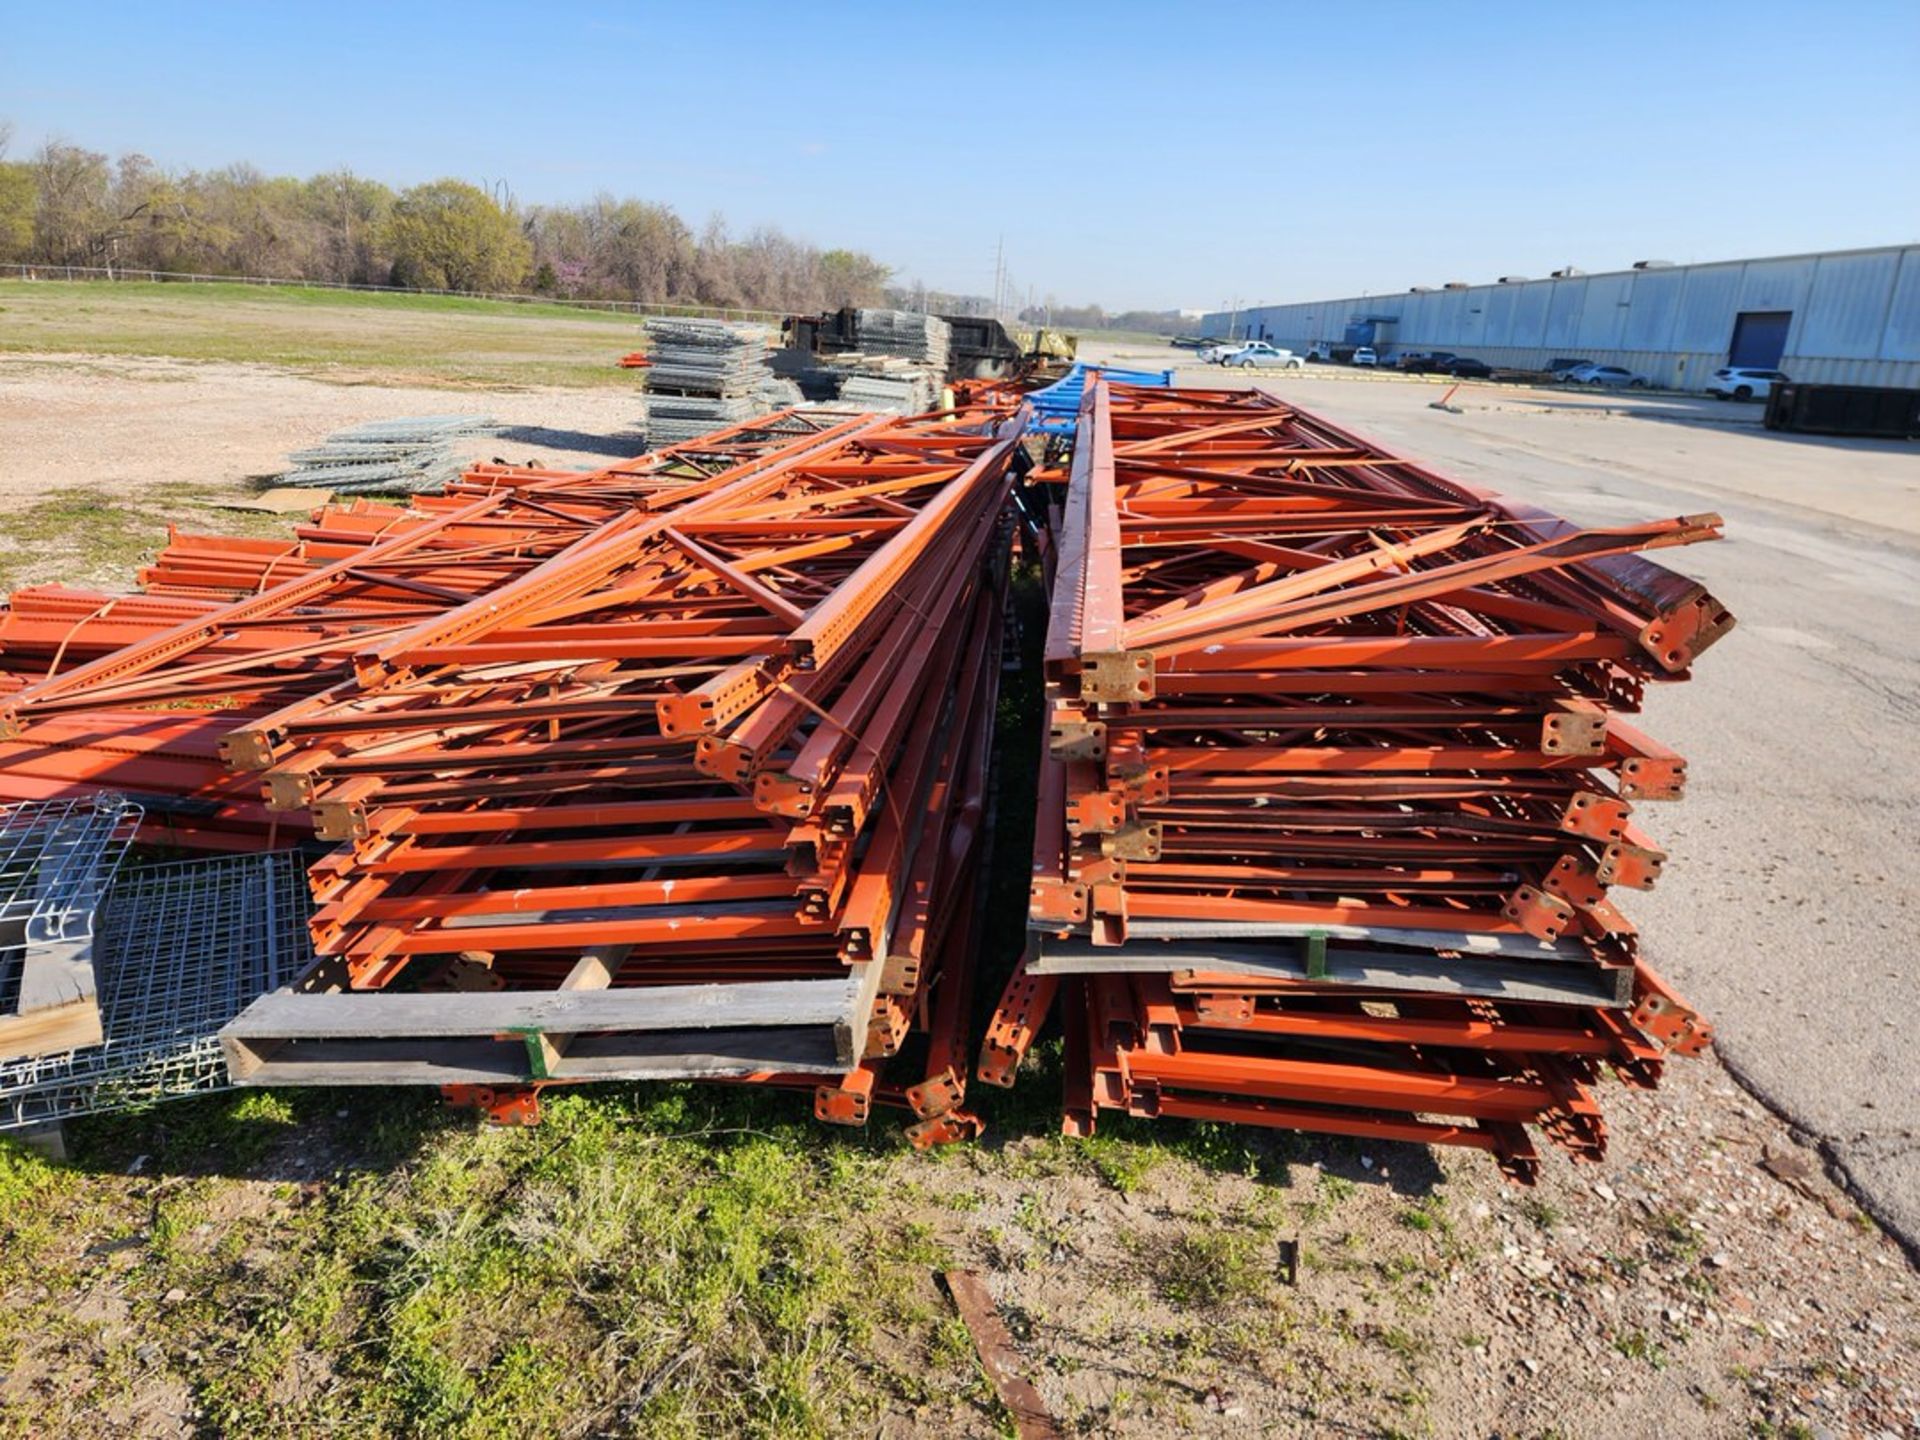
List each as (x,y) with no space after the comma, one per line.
(1847,317)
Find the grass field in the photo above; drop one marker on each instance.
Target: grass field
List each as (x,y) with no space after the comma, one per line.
(396,339)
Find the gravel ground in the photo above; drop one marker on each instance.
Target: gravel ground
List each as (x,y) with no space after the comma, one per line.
(132,424)
(1705,1279)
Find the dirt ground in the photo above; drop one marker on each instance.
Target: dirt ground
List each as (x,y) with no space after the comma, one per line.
(132,424)
(1710,1278)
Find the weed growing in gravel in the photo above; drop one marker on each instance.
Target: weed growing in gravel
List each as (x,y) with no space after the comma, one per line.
(1210,1267)
(1639,1345)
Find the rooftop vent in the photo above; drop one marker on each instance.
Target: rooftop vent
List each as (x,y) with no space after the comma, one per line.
(1419,289)
(1653,264)
(1513,279)
(1456,285)
(1568,272)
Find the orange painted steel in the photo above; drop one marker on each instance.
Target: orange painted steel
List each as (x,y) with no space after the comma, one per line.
(1338,776)
(719,715)
(231,631)
(1314,709)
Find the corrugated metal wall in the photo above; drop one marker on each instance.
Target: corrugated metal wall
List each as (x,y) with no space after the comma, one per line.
(1856,318)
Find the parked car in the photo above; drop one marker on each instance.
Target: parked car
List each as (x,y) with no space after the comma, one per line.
(1465,367)
(1364,356)
(1214,351)
(1740,382)
(1607,375)
(1319,354)
(1426,362)
(1563,369)
(1259,354)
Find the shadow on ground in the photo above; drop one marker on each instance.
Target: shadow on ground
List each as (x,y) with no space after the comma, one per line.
(620,445)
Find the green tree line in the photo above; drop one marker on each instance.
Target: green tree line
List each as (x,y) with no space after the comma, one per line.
(66,205)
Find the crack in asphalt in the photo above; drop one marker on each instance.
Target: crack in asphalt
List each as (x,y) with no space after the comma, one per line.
(1908,1237)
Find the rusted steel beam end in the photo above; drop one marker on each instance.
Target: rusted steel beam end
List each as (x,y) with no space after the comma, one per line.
(1541,915)
(287,789)
(502,1105)
(1653,777)
(1580,728)
(848,1103)
(1133,842)
(937,1094)
(1679,636)
(947,1129)
(685,714)
(1116,676)
(247,749)
(1073,737)
(1056,903)
(1667,1020)
(780,794)
(1099,812)
(1598,817)
(1635,866)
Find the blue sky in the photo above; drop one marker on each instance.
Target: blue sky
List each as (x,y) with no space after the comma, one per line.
(1131,154)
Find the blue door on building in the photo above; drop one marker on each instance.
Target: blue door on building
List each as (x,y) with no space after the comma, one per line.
(1759,338)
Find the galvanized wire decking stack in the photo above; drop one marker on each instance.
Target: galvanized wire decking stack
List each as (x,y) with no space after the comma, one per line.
(407,456)
(179,950)
(900,365)
(1337,782)
(703,375)
(57,858)
(926,339)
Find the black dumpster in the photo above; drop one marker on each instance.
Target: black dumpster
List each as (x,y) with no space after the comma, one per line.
(1844,410)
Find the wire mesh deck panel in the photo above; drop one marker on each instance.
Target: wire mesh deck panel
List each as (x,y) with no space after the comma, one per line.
(180,950)
(56,859)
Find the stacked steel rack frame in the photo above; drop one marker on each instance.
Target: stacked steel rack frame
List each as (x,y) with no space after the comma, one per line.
(657,807)
(679,768)
(670,769)
(104,694)
(1337,782)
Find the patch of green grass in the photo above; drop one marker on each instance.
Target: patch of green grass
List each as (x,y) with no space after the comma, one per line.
(1403,1343)
(83,529)
(1639,1345)
(1543,1214)
(1673,1235)
(220,293)
(1330,1192)
(1426,1214)
(339,335)
(85,536)
(653,1259)
(1123,1164)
